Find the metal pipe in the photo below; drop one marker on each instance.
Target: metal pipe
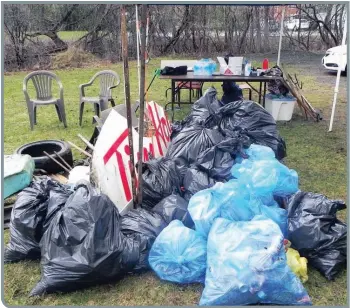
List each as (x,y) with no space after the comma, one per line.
(127,100)
(336,88)
(56,161)
(88,144)
(280,42)
(63,161)
(138,47)
(79,149)
(142,100)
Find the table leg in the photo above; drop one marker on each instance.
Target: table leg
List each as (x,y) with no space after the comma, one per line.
(172,98)
(260,88)
(190,92)
(264,94)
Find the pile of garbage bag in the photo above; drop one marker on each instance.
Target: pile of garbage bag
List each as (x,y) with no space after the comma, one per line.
(245,228)
(89,243)
(217,210)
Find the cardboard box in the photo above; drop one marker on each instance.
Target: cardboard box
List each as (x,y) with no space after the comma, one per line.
(234,66)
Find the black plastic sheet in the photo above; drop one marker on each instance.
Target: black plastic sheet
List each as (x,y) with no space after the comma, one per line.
(316,233)
(31,215)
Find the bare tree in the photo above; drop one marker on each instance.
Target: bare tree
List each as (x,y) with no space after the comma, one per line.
(16,24)
(266,29)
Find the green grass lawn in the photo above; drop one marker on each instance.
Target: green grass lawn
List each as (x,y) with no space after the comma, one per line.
(67,36)
(319,158)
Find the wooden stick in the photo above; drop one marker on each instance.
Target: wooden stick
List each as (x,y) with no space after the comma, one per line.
(80,149)
(88,144)
(57,162)
(63,161)
(124,39)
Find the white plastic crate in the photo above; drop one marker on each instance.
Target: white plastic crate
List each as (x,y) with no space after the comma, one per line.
(281,108)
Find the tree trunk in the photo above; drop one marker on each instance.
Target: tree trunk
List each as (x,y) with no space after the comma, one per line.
(258,29)
(179,31)
(266,29)
(251,33)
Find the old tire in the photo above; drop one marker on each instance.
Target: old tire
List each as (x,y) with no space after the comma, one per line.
(36,149)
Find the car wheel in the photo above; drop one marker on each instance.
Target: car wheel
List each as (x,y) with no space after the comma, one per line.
(36,149)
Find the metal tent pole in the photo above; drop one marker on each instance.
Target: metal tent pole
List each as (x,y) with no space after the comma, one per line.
(138,47)
(336,88)
(281,33)
(142,100)
(124,38)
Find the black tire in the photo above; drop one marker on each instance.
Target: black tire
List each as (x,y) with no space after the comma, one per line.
(35,150)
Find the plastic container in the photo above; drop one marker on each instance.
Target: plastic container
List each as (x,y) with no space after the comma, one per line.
(265,64)
(247,69)
(281,108)
(204,67)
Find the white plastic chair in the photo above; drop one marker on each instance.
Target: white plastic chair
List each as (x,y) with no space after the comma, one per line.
(42,81)
(108,81)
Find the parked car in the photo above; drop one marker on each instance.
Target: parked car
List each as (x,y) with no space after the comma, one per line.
(332,60)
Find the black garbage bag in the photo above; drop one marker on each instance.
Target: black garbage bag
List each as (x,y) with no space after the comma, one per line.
(208,104)
(35,207)
(160,178)
(232,92)
(143,226)
(276,87)
(219,159)
(84,246)
(259,125)
(205,106)
(143,221)
(194,181)
(316,233)
(192,141)
(182,167)
(174,207)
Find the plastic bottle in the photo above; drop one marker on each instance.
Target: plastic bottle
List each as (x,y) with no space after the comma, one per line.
(265,64)
(247,69)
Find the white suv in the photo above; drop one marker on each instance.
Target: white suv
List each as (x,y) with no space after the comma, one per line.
(331,61)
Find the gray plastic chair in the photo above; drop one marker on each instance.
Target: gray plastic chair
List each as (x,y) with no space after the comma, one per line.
(108,81)
(42,81)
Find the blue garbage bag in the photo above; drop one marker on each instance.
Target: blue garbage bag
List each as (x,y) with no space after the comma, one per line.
(260,152)
(179,254)
(205,206)
(232,201)
(246,264)
(265,175)
(243,206)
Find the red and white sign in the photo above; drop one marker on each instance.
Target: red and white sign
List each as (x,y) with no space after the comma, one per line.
(111,158)
(162,127)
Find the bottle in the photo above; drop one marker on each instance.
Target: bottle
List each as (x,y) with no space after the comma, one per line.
(265,64)
(247,69)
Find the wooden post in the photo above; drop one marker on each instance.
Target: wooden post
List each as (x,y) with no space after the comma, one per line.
(124,39)
(142,98)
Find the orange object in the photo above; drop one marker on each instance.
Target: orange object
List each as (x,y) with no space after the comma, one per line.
(265,64)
